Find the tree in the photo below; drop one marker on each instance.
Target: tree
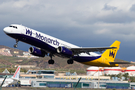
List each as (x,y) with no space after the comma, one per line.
(112,76)
(119,75)
(126,75)
(132,79)
(10,70)
(24,70)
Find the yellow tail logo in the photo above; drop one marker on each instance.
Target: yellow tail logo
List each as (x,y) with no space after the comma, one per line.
(110,54)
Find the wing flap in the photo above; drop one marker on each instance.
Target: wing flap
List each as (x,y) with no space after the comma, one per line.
(92,49)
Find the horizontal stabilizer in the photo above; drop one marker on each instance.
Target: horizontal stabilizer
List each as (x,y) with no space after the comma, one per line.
(119,62)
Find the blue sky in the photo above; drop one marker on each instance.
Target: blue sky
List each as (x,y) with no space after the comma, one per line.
(86,23)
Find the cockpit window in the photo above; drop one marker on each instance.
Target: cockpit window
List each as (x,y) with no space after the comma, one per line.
(13,26)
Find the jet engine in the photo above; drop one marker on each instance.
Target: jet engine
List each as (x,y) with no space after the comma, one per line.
(65,51)
(37,52)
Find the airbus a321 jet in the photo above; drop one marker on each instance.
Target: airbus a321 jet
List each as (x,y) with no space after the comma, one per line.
(47,45)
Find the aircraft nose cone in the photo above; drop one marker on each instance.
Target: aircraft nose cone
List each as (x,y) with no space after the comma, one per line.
(6,30)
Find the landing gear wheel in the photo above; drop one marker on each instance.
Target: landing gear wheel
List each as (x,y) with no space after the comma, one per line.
(15,46)
(51,62)
(70,61)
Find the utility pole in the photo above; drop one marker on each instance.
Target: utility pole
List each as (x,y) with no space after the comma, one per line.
(77,83)
(3,82)
(98,77)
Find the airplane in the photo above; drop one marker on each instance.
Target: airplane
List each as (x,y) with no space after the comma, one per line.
(46,45)
(12,80)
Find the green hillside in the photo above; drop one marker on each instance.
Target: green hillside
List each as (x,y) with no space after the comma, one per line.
(42,63)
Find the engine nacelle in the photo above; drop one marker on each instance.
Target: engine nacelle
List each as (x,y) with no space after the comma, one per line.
(37,52)
(64,51)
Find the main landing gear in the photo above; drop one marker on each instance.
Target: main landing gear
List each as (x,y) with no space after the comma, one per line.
(70,61)
(51,61)
(15,45)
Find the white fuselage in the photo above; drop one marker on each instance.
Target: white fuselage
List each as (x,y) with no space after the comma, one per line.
(51,41)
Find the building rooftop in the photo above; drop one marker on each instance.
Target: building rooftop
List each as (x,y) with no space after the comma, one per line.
(40,72)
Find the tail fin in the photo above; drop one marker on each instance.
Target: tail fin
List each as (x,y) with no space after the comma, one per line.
(110,54)
(17,73)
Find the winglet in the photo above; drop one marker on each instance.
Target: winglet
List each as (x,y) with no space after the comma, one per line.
(17,73)
(110,54)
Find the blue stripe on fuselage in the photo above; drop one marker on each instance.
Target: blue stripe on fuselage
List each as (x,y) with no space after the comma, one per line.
(85,58)
(39,43)
(33,41)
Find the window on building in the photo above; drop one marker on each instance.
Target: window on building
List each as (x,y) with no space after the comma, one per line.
(48,76)
(42,84)
(45,72)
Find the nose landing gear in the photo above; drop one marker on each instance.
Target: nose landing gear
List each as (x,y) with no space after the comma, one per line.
(15,45)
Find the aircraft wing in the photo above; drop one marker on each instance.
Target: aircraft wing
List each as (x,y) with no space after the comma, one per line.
(92,49)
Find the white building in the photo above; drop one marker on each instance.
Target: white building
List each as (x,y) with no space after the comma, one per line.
(95,71)
(112,70)
(130,70)
(26,66)
(27,55)
(5,52)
